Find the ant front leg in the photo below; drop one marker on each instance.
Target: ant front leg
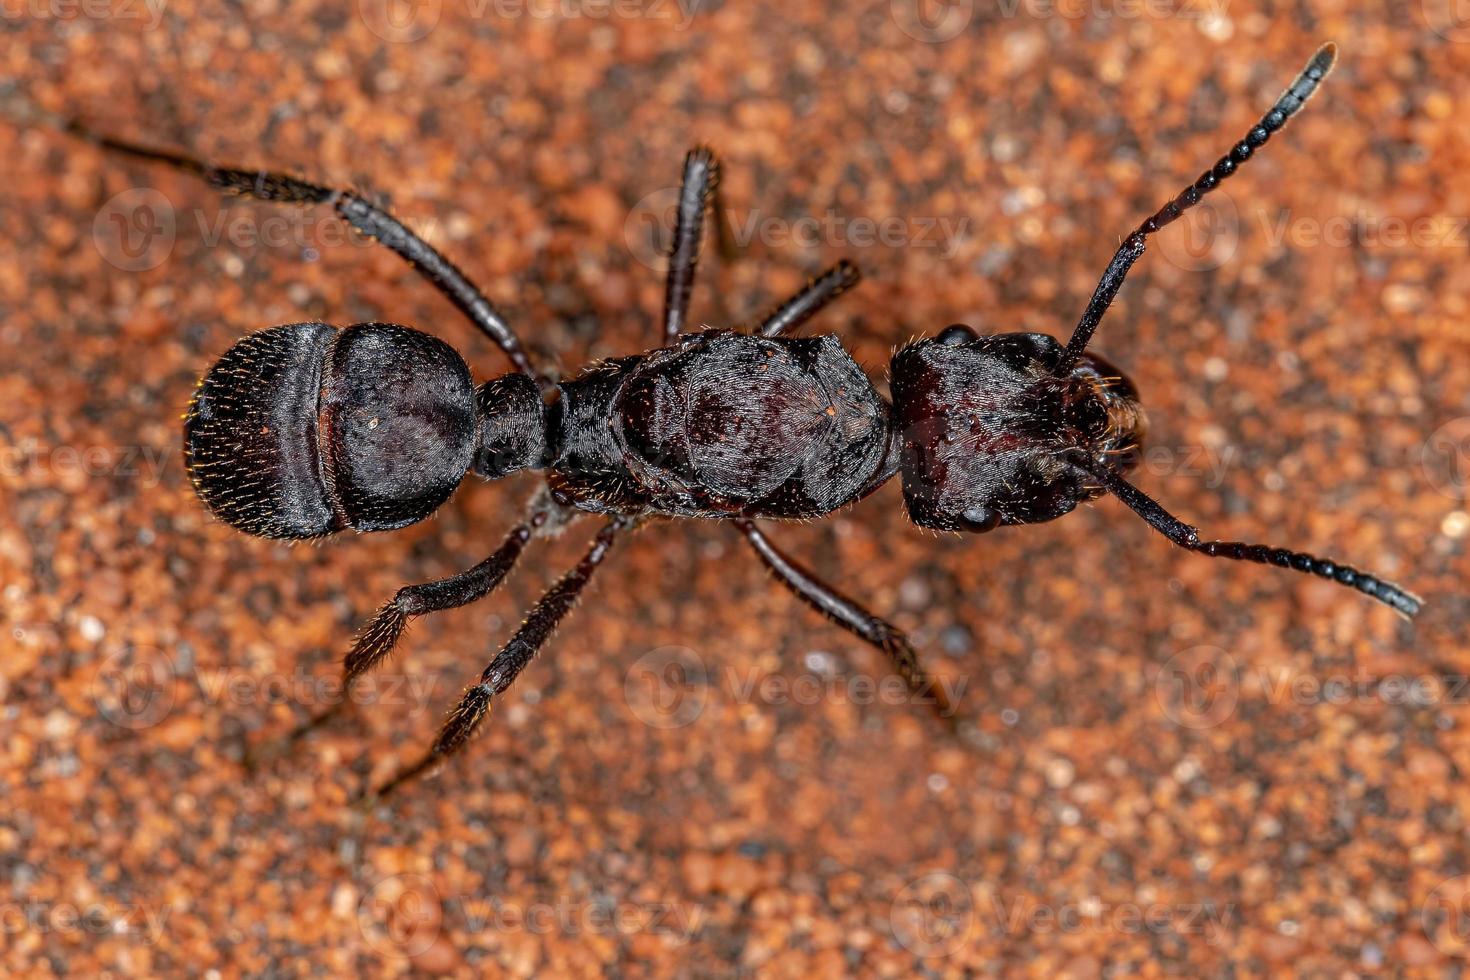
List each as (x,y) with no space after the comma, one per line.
(512,659)
(851,617)
(368,218)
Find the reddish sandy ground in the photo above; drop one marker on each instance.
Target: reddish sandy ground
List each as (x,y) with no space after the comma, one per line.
(1165,765)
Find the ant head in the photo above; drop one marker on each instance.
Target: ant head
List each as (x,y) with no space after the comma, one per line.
(992,433)
(302,430)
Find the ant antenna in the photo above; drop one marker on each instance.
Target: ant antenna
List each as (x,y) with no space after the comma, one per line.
(1295,96)
(1186,536)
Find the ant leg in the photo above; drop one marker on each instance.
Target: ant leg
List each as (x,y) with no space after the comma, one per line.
(805,304)
(1186,536)
(366,217)
(377,638)
(701,182)
(851,617)
(1295,96)
(512,659)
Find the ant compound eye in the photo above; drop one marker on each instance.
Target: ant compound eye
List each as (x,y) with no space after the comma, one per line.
(957,333)
(978,520)
(302,430)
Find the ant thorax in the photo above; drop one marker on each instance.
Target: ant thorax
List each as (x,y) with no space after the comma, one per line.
(720,424)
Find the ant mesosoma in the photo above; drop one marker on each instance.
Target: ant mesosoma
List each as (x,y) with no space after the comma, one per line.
(303,430)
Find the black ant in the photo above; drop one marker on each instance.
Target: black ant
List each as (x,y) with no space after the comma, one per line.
(303,430)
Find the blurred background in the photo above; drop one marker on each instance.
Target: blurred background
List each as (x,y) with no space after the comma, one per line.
(1164,764)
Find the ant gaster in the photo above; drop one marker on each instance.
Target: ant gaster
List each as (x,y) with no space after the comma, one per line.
(303,430)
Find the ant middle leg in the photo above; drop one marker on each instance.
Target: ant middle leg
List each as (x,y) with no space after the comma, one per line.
(512,658)
(368,218)
(852,617)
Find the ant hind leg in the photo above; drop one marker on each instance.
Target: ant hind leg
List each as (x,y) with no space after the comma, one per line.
(378,637)
(510,661)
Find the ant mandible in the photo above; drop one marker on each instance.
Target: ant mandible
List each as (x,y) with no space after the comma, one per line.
(303,430)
